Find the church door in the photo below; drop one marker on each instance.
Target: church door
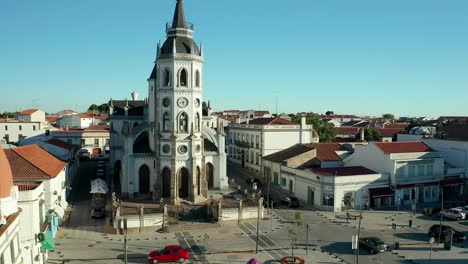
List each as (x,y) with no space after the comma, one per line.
(209,175)
(144,174)
(166,183)
(183,183)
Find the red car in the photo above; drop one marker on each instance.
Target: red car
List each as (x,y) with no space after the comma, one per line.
(173,253)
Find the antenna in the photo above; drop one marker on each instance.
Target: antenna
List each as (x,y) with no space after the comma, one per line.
(277,105)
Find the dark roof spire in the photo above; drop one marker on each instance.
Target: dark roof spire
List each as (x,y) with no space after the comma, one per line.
(179,16)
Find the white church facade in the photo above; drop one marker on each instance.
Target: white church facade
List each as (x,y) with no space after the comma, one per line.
(160,148)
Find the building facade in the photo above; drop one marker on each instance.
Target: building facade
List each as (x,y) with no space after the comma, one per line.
(160,147)
(31,115)
(13,131)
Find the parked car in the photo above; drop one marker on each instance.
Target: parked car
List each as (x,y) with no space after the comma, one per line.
(434,232)
(174,253)
(99,212)
(373,244)
(454,213)
(464,209)
(291,202)
(83,154)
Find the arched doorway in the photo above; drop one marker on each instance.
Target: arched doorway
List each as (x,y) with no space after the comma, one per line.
(209,175)
(183,176)
(166,183)
(243,158)
(144,173)
(198,181)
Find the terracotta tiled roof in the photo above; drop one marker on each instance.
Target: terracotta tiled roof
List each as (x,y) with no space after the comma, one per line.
(390,132)
(28,111)
(102,117)
(403,147)
(51,119)
(98,128)
(85,115)
(326,151)
(401,126)
(27,186)
(347,131)
(342,171)
(61,143)
(288,153)
(6,179)
(270,121)
(32,162)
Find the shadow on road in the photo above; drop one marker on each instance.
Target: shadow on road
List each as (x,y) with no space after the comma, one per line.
(413,236)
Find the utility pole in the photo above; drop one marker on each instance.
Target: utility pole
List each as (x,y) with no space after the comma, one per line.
(258,224)
(441,209)
(358,232)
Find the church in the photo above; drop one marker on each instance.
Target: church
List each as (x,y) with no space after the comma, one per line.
(160,147)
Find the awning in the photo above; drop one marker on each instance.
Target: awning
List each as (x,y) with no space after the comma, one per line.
(453,181)
(419,184)
(381,192)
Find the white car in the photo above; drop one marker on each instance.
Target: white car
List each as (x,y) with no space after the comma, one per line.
(464,209)
(454,213)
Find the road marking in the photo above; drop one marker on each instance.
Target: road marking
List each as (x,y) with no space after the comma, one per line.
(261,243)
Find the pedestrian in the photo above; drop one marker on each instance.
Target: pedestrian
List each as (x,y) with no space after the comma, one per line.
(366,205)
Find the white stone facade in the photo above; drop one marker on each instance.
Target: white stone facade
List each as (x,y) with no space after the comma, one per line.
(14,131)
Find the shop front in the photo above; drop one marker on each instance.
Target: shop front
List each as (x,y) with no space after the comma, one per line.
(382,197)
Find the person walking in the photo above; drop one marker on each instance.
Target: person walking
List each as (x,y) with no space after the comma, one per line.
(366,205)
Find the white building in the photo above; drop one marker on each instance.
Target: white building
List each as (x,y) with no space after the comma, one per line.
(75,121)
(160,147)
(31,115)
(95,139)
(413,170)
(248,142)
(10,251)
(13,131)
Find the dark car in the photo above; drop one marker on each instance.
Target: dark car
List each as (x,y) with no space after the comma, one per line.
(98,212)
(291,202)
(457,235)
(169,254)
(373,244)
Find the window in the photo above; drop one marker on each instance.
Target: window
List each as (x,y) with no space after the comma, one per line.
(197,122)
(197,78)
(283,182)
(167,78)
(183,77)
(252,141)
(406,194)
(430,170)
(166,122)
(34,128)
(252,157)
(247,156)
(275,177)
(411,171)
(20,127)
(69,141)
(82,142)
(258,141)
(12,251)
(257,159)
(151,87)
(108,140)
(400,172)
(183,122)
(6,128)
(422,170)
(96,142)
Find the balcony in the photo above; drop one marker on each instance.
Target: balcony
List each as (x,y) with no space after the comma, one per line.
(242,144)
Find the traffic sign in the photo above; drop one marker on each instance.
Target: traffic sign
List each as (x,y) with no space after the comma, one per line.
(394,226)
(431,240)
(327,196)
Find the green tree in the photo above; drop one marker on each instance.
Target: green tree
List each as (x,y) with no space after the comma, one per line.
(389,116)
(372,134)
(329,113)
(7,115)
(104,108)
(293,230)
(93,108)
(326,131)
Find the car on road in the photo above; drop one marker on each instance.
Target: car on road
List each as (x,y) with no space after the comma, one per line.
(173,253)
(434,232)
(373,244)
(291,202)
(454,213)
(99,212)
(464,209)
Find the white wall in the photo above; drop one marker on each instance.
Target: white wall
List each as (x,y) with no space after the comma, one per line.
(454,152)
(15,129)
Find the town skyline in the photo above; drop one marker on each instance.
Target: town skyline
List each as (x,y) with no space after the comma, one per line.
(394,53)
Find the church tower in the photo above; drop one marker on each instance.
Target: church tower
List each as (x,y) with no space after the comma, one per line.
(175,110)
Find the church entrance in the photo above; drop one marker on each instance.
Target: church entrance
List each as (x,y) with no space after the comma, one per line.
(116,179)
(183,183)
(144,174)
(198,181)
(166,183)
(209,175)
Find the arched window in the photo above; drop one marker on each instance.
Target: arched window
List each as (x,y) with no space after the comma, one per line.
(197,78)
(183,77)
(197,122)
(166,122)
(167,78)
(183,122)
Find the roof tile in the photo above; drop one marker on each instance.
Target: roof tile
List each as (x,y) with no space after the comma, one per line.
(403,147)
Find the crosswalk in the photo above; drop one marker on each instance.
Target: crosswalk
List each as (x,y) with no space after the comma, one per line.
(185,239)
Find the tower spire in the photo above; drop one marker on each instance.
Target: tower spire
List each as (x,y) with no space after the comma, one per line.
(179,16)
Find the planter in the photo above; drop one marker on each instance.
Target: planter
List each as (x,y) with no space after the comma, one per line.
(292,260)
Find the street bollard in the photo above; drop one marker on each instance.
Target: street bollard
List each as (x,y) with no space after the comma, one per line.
(410,223)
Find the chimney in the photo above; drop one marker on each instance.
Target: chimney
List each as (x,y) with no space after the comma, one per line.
(135,95)
(303,120)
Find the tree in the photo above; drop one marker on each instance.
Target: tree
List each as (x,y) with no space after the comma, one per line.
(7,115)
(104,108)
(329,113)
(326,131)
(389,116)
(93,108)
(294,229)
(372,134)
(99,109)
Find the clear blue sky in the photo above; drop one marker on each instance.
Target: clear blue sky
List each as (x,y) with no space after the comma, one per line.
(370,57)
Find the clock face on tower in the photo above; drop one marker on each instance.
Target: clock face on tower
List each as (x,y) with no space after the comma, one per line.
(166,101)
(182,102)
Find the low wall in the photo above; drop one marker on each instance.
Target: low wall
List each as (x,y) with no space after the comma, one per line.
(137,224)
(232,214)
